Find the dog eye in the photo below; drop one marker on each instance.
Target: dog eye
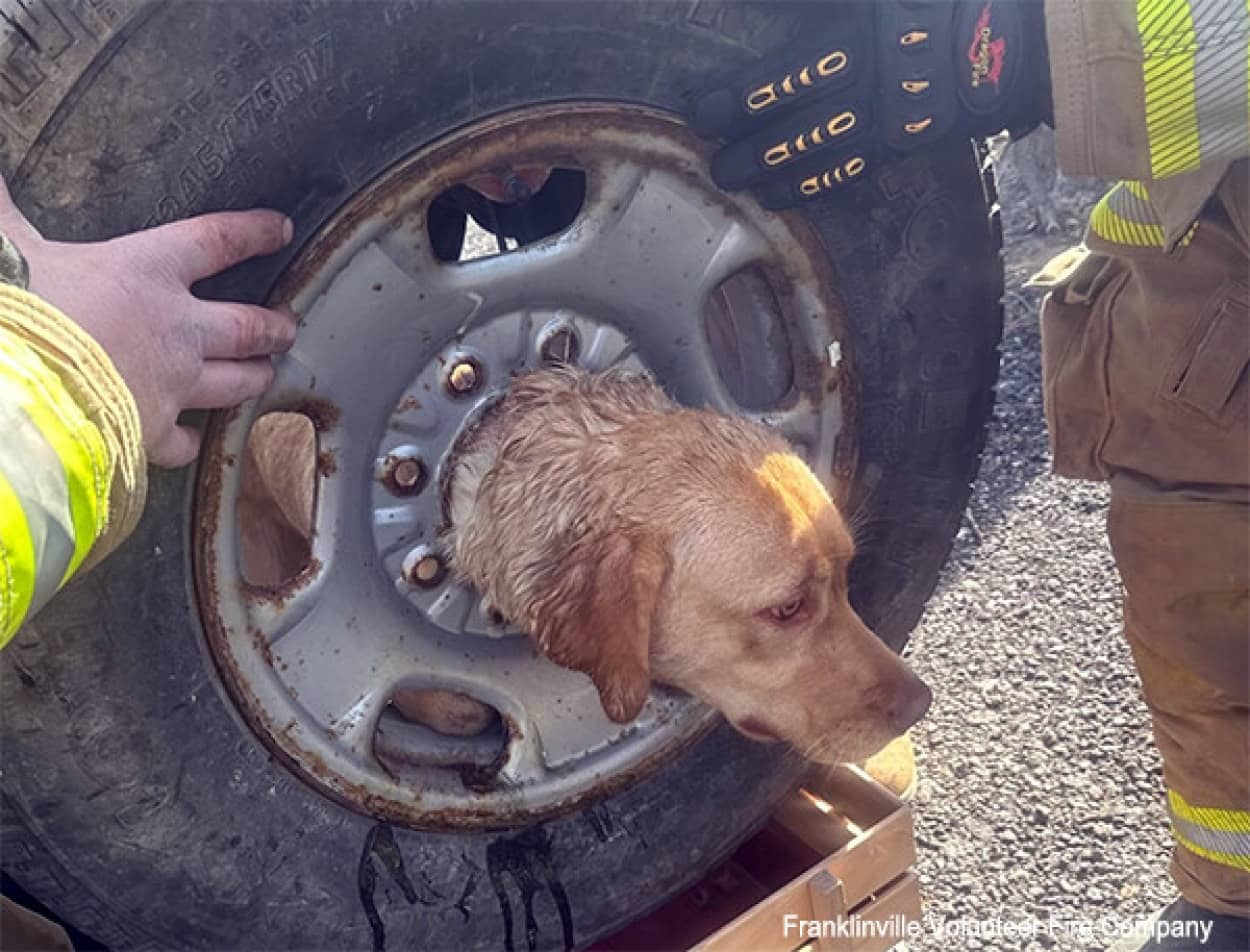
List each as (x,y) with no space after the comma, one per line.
(787,611)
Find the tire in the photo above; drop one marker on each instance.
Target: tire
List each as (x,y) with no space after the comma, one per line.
(136,805)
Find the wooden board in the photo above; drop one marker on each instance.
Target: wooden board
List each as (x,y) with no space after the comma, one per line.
(839,845)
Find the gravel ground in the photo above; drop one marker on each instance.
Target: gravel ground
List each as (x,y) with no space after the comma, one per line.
(1040,790)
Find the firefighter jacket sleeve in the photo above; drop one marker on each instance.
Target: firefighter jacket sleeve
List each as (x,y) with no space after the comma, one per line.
(72,468)
(1155,92)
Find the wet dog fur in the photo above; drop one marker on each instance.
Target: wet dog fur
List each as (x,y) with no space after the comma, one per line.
(636,540)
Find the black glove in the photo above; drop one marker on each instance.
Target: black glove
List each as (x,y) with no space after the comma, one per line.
(888,78)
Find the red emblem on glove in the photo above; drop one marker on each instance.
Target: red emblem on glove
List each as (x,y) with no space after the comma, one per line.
(986,53)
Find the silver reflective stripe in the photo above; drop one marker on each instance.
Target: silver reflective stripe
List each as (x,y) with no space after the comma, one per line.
(1226,842)
(35,472)
(1125,216)
(1221,34)
(1130,201)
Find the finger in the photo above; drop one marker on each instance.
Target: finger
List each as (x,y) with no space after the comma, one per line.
(809,134)
(232,330)
(814,179)
(207,244)
(227,383)
(177,448)
(778,84)
(20,231)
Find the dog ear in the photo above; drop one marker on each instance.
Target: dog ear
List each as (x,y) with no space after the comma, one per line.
(599,615)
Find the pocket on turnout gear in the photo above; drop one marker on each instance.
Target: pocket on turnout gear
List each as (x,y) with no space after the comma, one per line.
(1208,377)
(1075,341)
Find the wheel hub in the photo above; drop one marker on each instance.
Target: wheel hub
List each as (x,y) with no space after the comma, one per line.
(399,351)
(452,390)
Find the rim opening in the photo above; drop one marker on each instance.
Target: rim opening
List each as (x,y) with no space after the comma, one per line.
(749,341)
(504,208)
(275,509)
(438,739)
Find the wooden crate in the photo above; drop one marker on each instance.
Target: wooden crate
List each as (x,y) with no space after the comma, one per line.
(839,848)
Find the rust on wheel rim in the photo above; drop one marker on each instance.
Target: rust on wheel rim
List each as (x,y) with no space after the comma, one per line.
(642,277)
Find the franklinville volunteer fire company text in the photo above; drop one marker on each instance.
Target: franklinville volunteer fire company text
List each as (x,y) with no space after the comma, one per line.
(901,928)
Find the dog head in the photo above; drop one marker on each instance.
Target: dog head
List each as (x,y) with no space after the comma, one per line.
(731,585)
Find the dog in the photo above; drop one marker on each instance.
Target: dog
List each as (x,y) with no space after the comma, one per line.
(636,540)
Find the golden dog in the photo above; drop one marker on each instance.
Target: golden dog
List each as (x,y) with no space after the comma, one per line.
(634,539)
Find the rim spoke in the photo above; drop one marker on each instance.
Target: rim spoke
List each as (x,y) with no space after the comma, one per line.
(558,719)
(660,247)
(274,617)
(337,359)
(606,348)
(668,272)
(340,664)
(566,725)
(811,429)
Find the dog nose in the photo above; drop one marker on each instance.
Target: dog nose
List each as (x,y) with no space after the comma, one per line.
(908,703)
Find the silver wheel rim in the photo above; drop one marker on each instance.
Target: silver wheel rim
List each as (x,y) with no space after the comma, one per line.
(311,666)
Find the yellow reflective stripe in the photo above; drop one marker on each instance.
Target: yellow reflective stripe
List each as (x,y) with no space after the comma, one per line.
(1107,222)
(1224,821)
(17,563)
(75,440)
(81,450)
(1168,45)
(1221,836)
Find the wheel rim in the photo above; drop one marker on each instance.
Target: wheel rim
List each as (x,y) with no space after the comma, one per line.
(632,281)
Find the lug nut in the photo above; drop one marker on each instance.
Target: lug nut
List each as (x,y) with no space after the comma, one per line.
(403,473)
(407,473)
(427,570)
(560,347)
(463,377)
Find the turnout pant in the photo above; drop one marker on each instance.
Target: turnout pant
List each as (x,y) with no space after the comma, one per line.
(1145,358)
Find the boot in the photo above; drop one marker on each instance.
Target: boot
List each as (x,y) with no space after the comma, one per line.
(1183,927)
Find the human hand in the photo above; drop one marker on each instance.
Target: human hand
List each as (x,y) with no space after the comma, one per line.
(133,295)
(885,79)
